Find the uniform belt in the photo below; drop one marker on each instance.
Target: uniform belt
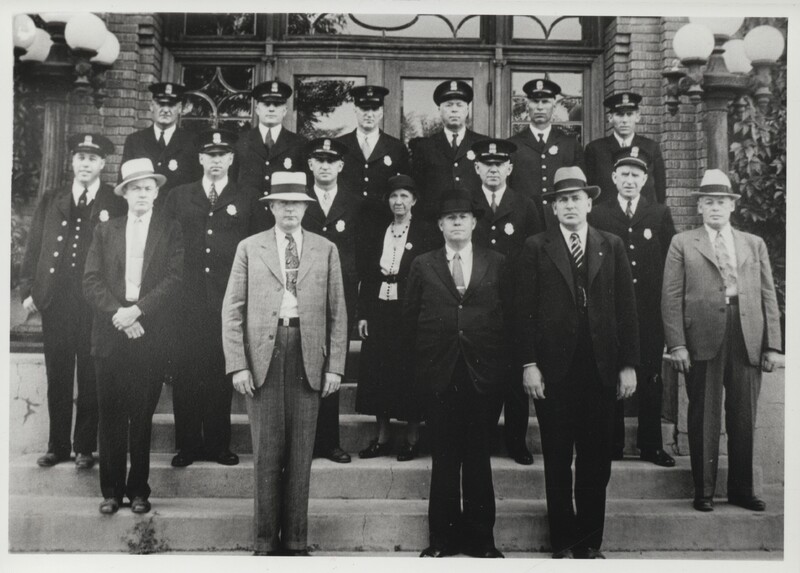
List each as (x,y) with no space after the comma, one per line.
(732,300)
(294,321)
(389,279)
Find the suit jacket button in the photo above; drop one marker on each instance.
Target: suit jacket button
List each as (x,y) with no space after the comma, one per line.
(59,238)
(544,156)
(55,254)
(324,229)
(279,289)
(266,177)
(632,247)
(211,231)
(63,223)
(460,306)
(366,166)
(271,337)
(266,163)
(635,281)
(52,270)
(633,263)
(211,214)
(458,178)
(494,241)
(209,270)
(366,178)
(493,227)
(365,193)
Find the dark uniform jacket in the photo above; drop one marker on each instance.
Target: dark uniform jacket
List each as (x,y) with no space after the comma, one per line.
(436,168)
(368,177)
(546,310)
(505,231)
(47,238)
(647,237)
(600,164)
(178,162)
(535,165)
(162,272)
(254,166)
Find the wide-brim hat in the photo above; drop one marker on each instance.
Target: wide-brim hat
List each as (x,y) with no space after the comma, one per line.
(569,179)
(458,201)
(715,183)
(288,186)
(401,181)
(135,169)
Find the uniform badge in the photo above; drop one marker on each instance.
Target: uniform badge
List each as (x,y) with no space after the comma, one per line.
(287,163)
(471,155)
(340,226)
(173,165)
(217,138)
(103,216)
(231,210)
(409,246)
(553,150)
(509,229)
(387,161)
(648,234)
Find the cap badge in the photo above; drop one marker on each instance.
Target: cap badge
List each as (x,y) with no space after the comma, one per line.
(168,89)
(87,140)
(369,92)
(625,98)
(540,85)
(217,139)
(326,145)
(634,152)
(274,88)
(493,148)
(453,86)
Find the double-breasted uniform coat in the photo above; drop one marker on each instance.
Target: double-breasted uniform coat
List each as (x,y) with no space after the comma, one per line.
(255,164)
(599,158)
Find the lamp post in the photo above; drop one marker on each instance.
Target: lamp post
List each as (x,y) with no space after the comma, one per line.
(715,68)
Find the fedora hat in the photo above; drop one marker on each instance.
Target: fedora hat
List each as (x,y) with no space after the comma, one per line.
(458,201)
(135,169)
(715,183)
(569,179)
(288,186)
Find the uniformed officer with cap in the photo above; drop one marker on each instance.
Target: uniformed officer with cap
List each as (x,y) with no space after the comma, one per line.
(337,216)
(542,148)
(623,115)
(646,228)
(509,219)
(445,160)
(215,214)
(51,283)
(168,146)
(373,156)
(268,147)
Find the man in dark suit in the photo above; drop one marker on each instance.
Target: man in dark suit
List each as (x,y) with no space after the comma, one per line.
(510,219)
(579,344)
(50,283)
(215,215)
(455,311)
(646,229)
(336,215)
(722,327)
(542,148)
(268,147)
(133,273)
(444,160)
(623,115)
(168,146)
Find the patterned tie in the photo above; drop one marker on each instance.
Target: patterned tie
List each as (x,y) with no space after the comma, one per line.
(366,148)
(268,141)
(292,264)
(162,143)
(454,143)
(629,209)
(725,263)
(458,275)
(83,199)
(576,250)
(493,206)
(212,195)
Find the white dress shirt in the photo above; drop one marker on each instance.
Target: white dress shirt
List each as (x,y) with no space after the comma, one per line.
(370,138)
(320,193)
(466,261)
(545,133)
(167,132)
(727,236)
(582,233)
(136,230)
(627,142)
(274,131)
(218,186)
(459,135)
(77,191)
(289,301)
(623,203)
(498,195)
(392,254)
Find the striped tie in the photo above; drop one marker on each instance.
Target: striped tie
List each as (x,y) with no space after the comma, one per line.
(576,250)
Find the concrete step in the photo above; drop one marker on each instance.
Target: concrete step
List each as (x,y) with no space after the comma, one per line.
(47,524)
(378,478)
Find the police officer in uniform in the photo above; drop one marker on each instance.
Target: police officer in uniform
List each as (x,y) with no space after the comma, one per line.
(509,219)
(51,283)
(646,228)
(215,214)
(542,148)
(623,115)
(337,216)
(445,160)
(169,147)
(268,147)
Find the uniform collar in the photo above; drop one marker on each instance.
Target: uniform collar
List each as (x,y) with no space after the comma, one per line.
(77,191)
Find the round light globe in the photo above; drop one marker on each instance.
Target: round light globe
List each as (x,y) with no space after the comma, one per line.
(40,48)
(693,43)
(735,58)
(764,44)
(24,31)
(108,52)
(85,32)
(720,26)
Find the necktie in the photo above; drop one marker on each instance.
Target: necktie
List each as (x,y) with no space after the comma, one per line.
(162,143)
(725,263)
(268,141)
(576,250)
(292,264)
(82,200)
(629,209)
(454,143)
(458,274)
(212,195)
(541,137)
(366,148)
(494,203)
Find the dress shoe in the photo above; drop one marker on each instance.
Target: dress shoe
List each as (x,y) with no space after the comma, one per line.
(564,554)
(50,459)
(226,458)
(491,553)
(109,506)
(438,552)
(296,553)
(521,455)
(338,455)
(658,457)
(84,461)
(589,553)
(182,459)
(375,449)
(750,502)
(703,504)
(140,505)
(408,452)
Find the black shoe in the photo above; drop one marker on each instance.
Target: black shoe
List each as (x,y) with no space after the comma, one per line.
(658,457)
(490,553)
(226,458)
(438,552)
(588,553)
(50,459)
(182,459)
(84,461)
(140,505)
(338,455)
(564,554)
(375,449)
(408,452)
(109,506)
(750,502)
(521,455)
(703,504)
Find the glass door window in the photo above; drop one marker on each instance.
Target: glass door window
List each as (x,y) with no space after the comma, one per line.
(568,112)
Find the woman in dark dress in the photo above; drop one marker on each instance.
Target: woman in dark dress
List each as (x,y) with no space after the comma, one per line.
(384,380)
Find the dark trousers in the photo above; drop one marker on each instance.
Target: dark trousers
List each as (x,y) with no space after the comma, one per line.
(729,369)
(578,412)
(459,423)
(649,391)
(283,417)
(513,402)
(202,393)
(327,436)
(66,332)
(128,387)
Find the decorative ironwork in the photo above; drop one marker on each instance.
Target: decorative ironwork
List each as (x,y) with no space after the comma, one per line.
(386,25)
(547,28)
(219,97)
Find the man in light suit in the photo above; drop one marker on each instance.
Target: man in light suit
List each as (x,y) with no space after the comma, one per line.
(284,333)
(721,323)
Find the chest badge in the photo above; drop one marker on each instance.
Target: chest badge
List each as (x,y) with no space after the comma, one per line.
(340,226)
(287,163)
(387,161)
(648,234)
(553,150)
(471,155)
(409,246)
(173,165)
(509,229)
(103,216)
(231,210)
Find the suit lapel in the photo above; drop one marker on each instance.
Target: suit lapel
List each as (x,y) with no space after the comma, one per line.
(557,251)
(441,268)
(226,196)
(443,144)
(153,236)
(281,144)
(256,143)
(338,207)
(466,142)
(480,265)
(307,256)
(506,205)
(743,250)
(198,196)
(117,247)
(269,254)
(703,244)
(596,246)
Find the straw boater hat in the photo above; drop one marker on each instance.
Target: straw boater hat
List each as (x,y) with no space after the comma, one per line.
(715,184)
(288,186)
(568,179)
(136,169)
